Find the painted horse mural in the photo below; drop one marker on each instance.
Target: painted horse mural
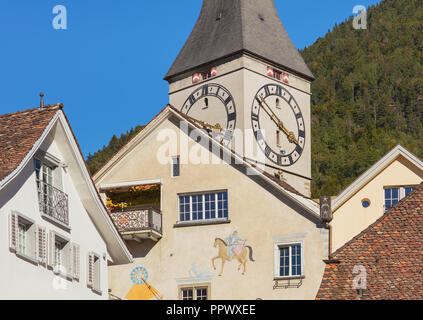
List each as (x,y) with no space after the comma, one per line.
(239,252)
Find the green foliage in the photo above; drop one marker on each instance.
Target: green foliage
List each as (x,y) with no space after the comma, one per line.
(99,159)
(368,93)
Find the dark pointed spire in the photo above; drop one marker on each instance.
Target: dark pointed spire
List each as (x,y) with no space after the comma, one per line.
(228,27)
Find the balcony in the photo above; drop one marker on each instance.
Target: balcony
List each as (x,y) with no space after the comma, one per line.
(53,203)
(138,223)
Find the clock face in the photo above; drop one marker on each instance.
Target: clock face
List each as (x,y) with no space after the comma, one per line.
(278,125)
(213,104)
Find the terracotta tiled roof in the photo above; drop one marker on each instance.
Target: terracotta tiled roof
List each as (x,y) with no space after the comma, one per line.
(19,132)
(391,250)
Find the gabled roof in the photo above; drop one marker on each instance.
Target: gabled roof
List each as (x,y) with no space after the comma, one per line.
(391,252)
(288,191)
(18,133)
(21,135)
(228,27)
(376,169)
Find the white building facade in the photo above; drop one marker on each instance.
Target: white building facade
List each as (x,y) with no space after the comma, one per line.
(56,238)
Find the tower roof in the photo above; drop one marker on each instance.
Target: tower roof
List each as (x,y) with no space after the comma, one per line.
(228,27)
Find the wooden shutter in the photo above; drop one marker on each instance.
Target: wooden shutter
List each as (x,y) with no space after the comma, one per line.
(76,261)
(51,247)
(90,270)
(41,245)
(13,231)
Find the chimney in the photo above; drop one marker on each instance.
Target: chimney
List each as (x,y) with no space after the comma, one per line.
(42,100)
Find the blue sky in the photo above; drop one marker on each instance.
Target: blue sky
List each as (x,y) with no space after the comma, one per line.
(108,66)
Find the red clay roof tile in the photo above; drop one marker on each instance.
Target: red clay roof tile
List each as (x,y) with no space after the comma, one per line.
(19,131)
(390,250)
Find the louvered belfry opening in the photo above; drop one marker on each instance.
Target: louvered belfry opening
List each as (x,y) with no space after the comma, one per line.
(229,27)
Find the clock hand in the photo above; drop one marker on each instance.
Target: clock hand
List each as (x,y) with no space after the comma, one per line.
(216,127)
(279,123)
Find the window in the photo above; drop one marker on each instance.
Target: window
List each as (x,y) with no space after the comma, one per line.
(22,231)
(365,203)
(277,75)
(206,206)
(289,260)
(23,236)
(194,293)
(58,254)
(52,201)
(63,256)
(188,294)
(395,194)
(206,75)
(176,166)
(44,176)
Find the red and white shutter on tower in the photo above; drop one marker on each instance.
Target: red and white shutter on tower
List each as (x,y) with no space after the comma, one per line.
(270,72)
(196,78)
(213,72)
(286,78)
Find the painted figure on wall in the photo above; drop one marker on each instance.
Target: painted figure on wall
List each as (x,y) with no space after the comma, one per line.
(233,247)
(235,243)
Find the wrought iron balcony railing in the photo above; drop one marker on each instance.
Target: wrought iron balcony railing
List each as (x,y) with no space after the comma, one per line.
(53,202)
(132,220)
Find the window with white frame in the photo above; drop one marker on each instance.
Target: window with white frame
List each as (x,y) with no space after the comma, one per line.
(176,167)
(194,293)
(203,206)
(393,195)
(289,260)
(23,236)
(63,256)
(52,200)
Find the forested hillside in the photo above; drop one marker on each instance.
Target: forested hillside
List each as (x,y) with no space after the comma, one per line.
(98,159)
(367,97)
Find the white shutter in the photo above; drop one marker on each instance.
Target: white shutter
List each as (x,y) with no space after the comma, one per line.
(32,242)
(13,231)
(90,270)
(302,259)
(51,247)
(276,260)
(41,245)
(69,260)
(76,261)
(97,279)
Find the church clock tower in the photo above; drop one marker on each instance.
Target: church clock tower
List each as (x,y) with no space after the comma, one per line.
(240,70)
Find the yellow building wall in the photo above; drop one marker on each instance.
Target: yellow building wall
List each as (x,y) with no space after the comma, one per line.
(184,255)
(352,218)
